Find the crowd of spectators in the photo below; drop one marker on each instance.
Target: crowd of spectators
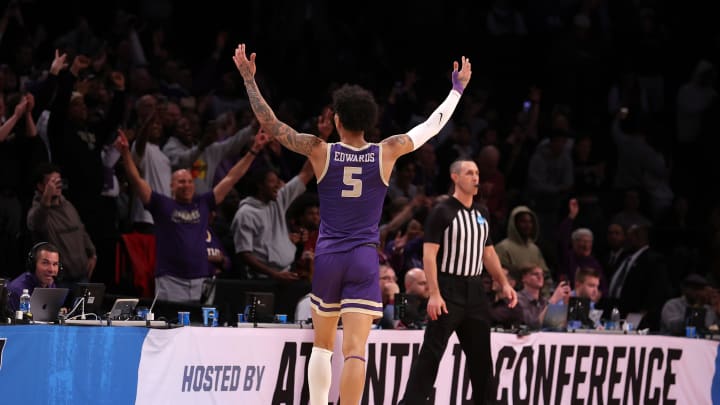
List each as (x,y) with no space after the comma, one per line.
(593,123)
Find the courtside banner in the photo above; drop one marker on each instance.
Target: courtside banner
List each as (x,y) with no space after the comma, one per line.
(46,364)
(195,365)
(579,368)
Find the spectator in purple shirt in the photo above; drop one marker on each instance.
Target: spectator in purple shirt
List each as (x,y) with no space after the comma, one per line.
(43,264)
(181,224)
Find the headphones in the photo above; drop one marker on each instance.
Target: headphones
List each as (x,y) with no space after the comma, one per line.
(32,258)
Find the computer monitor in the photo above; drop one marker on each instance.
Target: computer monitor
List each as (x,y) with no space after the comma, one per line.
(93,293)
(411,310)
(579,310)
(231,296)
(259,306)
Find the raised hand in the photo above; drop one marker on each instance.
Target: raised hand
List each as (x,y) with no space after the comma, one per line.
(53,189)
(400,240)
(461,78)
(261,139)
(561,293)
(121,143)
(245,66)
(59,63)
(573,208)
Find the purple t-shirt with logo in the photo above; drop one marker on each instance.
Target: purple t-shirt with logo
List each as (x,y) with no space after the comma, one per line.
(351,192)
(181,232)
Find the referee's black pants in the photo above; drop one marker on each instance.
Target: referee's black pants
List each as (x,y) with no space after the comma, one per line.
(467,316)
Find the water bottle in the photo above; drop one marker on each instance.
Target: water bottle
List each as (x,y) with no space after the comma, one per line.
(25,301)
(615,319)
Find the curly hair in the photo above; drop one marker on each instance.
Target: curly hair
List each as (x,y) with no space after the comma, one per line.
(356,107)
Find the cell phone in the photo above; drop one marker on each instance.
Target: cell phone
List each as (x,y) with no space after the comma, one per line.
(527,104)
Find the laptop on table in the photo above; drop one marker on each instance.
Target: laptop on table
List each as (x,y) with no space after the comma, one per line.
(123,309)
(45,304)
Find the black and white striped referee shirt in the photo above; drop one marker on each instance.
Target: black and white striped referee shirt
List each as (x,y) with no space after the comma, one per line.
(462,234)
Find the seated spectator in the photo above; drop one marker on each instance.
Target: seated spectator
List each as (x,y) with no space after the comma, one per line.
(387,275)
(43,264)
(182,223)
(417,295)
(673,317)
(530,298)
(416,283)
(500,313)
(54,219)
(587,285)
(388,291)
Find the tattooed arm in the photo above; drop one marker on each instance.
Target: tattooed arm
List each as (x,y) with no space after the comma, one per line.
(304,144)
(392,148)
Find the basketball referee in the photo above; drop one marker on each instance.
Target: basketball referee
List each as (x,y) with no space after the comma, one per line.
(457,247)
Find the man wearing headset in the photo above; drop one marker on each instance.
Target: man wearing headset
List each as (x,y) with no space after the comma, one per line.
(43,264)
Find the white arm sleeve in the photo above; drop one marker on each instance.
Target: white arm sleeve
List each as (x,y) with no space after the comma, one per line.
(437,120)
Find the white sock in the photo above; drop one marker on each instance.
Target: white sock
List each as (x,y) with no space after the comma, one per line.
(319,376)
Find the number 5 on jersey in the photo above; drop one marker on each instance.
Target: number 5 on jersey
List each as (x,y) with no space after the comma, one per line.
(354,183)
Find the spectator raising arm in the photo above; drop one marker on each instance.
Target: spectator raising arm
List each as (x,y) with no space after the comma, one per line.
(240,168)
(141,187)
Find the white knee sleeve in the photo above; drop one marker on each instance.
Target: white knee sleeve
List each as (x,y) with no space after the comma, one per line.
(319,376)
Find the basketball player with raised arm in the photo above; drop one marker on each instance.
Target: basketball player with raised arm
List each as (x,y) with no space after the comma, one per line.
(352,180)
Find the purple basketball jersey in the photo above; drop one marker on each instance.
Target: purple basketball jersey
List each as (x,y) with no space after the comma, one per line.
(351,192)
